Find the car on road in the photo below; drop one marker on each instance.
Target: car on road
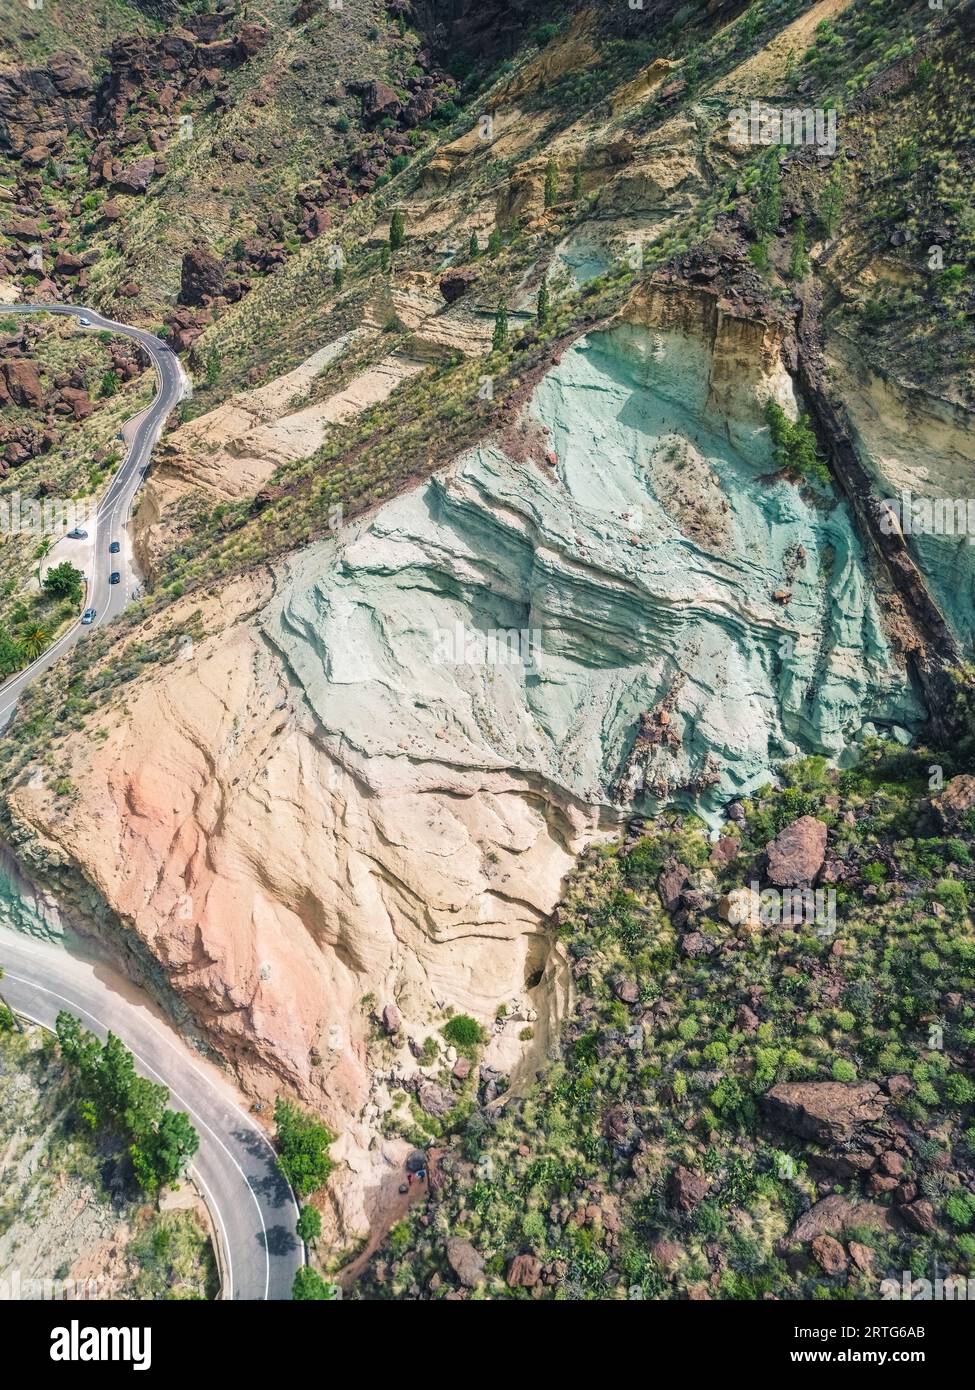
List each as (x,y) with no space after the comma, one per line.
(114,577)
(114,548)
(88,617)
(85,322)
(78,534)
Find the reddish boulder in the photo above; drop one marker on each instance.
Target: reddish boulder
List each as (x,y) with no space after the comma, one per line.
(67,263)
(379,101)
(201,277)
(796,854)
(827,1111)
(24,383)
(134,178)
(830,1255)
(920,1216)
(79,401)
(670,884)
(687,1188)
(524,1272)
(23,228)
(835,1215)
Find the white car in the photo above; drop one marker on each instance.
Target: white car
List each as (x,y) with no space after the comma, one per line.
(85,322)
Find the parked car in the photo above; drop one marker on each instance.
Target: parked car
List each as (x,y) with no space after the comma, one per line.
(114,548)
(78,534)
(114,577)
(88,617)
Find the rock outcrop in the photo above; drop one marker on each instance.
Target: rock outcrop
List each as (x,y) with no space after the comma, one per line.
(829,1112)
(838,1215)
(202,277)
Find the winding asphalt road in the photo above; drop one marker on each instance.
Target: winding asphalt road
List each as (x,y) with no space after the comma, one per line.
(253,1208)
(113,510)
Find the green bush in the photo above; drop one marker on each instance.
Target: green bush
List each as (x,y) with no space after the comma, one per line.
(463,1031)
(309,1286)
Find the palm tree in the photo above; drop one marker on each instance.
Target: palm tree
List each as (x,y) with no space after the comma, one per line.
(34,642)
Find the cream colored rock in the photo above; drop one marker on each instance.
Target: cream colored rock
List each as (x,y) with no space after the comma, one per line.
(279,883)
(742,907)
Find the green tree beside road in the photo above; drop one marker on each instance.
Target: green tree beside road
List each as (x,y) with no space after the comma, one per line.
(303,1143)
(64,581)
(113,1097)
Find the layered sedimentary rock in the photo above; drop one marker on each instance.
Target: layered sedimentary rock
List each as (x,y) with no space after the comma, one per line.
(369,775)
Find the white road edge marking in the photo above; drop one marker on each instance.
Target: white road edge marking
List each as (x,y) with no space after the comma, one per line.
(31,984)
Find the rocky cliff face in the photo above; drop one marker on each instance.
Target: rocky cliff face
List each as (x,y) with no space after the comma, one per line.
(372,775)
(363,781)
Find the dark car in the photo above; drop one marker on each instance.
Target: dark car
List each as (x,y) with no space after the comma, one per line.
(88,617)
(78,534)
(114,577)
(114,548)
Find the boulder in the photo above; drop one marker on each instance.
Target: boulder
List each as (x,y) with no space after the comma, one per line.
(68,73)
(392,1019)
(134,178)
(379,100)
(23,228)
(185,327)
(79,401)
(835,1215)
(725,851)
(626,991)
(316,223)
(828,1112)
(673,877)
(23,383)
(742,907)
(920,1216)
(67,263)
(830,1255)
(687,1188)
(201,277)
(862,1256)
(464,1260)
(834,1168)
(957,798)
(435,1100)
(524,1272)
(796,854)
(695,943)
(666,1253)
(746,1019)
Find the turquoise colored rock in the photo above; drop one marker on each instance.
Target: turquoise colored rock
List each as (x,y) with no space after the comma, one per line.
(648,557)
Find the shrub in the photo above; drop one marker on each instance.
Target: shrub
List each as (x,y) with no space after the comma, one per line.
(463,1031)
(309,1223)
(310,1286)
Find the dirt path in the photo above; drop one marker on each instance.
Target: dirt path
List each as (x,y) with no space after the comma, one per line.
(392,1207)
